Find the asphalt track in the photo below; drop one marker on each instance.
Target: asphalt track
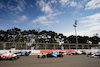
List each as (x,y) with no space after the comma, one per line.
(66,61)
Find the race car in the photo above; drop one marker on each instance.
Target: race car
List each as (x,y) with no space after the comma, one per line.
(94,55)
(83,53)
(22,53)
(72,53)
(79,52)
(9,56)
(52,54)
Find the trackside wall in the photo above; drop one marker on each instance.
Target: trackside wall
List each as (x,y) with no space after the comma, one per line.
(33,52)
(36,52)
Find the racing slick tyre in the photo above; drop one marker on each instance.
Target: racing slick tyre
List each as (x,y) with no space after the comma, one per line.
(44,56)
(12,58)
(15,58)
(62,55)
(27,54)
(38,56)
(18,56)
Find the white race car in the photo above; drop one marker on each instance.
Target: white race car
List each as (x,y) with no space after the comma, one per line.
(9,56)
(21,53)
(79,52)
(94,55)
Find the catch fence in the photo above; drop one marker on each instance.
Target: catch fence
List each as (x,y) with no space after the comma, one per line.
(44,46)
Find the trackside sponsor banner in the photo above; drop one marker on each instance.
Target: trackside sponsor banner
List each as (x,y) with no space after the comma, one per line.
(49,51)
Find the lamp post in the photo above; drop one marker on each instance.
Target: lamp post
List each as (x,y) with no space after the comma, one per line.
(75,25)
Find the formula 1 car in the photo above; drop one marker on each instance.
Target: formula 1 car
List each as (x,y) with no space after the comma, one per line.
(52,54)
(72,53)
(9,56)
(90,54)
(77,53)
(83,53)
(23,53)
(94,55)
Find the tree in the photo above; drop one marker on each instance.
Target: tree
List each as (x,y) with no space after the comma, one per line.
(83,39)
(72,39)
(16,35)
(94,39)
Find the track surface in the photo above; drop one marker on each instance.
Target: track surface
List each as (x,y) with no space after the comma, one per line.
(66,61)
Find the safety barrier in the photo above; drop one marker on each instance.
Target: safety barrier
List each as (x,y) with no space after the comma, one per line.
(33,52)
(36,52)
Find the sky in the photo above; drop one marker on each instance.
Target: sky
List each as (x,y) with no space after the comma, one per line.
(55,15)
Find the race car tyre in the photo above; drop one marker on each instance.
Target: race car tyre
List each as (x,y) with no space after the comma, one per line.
(0,58)
(44,56)
(48,55)
(27,54)
(18,56)
(62,55)
(13,58)
(38,56)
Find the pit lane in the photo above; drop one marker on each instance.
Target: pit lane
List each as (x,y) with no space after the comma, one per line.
(66,61)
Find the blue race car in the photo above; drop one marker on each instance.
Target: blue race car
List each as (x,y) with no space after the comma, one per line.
(24,53)
(52,54)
